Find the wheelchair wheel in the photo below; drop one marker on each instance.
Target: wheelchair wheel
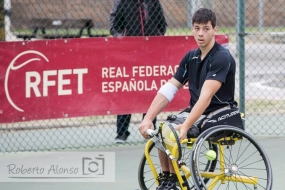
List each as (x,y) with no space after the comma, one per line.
(145,175)
(242,163)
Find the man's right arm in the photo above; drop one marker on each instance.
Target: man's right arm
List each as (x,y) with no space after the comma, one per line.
(160,101)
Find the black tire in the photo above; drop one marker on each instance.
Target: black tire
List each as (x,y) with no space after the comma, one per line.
(245,157)
(145,176)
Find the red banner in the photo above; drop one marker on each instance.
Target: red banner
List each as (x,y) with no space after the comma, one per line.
(82,77)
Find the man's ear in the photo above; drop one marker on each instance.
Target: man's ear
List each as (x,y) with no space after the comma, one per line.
(216,29)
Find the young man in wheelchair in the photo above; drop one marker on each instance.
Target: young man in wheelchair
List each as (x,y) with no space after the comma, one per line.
(210,73)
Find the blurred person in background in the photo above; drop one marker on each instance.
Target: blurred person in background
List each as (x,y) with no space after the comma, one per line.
(135,18)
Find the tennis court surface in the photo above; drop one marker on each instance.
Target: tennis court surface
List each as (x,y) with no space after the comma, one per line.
(127,158)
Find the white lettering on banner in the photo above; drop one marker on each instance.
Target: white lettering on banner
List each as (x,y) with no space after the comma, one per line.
(141,71)
(162,82)
(47,82)
(113,72)
(34,79)
(147,71)
(135,84)
(61,81)
(32,85)
(121,86)
(80,73)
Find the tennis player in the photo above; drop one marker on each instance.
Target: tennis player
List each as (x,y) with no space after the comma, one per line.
(210,73)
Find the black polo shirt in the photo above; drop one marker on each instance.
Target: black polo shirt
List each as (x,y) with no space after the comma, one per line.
(219,65)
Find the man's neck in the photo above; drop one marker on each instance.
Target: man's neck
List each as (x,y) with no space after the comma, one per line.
(207,49)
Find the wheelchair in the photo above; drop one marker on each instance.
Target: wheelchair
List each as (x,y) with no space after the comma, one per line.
(240,162)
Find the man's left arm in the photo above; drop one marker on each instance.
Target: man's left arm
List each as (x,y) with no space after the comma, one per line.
(209,89)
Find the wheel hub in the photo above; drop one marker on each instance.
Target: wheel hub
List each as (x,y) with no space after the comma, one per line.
(232,169)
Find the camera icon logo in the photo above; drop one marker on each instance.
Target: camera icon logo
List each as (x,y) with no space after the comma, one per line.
(94,166)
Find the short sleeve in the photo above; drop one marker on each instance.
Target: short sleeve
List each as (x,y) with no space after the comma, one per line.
(182,72)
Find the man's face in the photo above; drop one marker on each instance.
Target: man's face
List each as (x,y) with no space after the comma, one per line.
(203,33)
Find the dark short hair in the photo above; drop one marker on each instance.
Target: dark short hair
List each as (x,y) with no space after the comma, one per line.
(203,15)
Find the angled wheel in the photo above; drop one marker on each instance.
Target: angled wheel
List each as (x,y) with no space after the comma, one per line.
(146,178)
(242,163)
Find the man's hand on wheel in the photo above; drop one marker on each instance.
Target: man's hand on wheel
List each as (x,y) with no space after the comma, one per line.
(183,131)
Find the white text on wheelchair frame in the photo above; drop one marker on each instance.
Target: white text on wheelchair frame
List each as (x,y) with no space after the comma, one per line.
(224,116)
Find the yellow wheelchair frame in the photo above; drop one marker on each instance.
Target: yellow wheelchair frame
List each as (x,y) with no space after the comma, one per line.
(224,174)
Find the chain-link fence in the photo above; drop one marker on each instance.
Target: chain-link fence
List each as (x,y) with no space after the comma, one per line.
(257,41)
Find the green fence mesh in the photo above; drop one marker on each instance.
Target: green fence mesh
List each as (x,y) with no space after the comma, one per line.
(257,41)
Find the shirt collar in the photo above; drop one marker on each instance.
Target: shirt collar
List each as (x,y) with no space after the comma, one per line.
(214,48)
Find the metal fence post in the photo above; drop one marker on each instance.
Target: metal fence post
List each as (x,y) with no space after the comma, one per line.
(241,54)
(191,7)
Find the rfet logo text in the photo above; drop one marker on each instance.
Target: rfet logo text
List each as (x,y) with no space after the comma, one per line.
(33,79)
